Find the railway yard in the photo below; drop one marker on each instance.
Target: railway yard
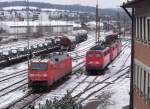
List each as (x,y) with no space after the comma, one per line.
(64,58)
(110,89)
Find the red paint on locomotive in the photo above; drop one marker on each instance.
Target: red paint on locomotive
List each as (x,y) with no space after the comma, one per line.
(46,72)
(107,52)
(97,59)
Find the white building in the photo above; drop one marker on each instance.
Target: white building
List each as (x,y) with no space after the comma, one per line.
(92,25)
(20,27)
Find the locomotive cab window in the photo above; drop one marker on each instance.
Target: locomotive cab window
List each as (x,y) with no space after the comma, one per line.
(39,66)
(98,55)
(91,54)
(56,59)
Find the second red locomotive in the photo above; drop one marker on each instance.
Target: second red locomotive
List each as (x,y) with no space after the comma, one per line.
(99,56)
(43,73)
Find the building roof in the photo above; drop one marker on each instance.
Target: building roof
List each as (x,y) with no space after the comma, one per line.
(37,23)
(133,3)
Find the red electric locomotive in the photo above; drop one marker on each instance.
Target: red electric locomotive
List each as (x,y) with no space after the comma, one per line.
(43,73)
(99,56)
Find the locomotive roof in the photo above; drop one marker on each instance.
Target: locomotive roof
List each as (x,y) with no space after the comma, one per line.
(98,47)
(54,57)
(108,37)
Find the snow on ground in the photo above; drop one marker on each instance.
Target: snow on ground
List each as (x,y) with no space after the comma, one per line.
(14,68)
(112,69)
(69,84)
(121,90)
(11,97)
(118,91)
(115,96)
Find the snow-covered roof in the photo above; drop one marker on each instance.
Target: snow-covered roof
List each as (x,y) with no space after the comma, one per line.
(17,8)
(94,23)
(36,23)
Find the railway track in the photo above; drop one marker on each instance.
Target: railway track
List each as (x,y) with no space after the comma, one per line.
(38,96)
(118,74)
(93,81)
(19,73)
(23,82)
(105,82)
(15,74)
(5,63)
(9,76)
(108,81)
(103,87)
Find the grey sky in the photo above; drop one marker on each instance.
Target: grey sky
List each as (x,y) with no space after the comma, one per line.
(102,3)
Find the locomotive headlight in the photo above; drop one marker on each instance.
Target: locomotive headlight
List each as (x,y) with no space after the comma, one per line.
(97,62)
(31,75)
(44,75)
(90,62)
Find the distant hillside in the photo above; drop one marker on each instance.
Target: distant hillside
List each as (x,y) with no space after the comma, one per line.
(56,6)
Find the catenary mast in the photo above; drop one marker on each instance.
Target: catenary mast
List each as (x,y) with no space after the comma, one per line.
(97,25)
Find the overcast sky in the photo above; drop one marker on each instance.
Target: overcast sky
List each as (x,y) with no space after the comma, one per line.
(102,3)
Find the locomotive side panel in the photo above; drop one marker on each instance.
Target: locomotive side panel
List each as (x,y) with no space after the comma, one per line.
(46,73)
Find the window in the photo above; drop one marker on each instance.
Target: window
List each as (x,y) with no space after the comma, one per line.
(91,54)
(39,66)
(98,55)
(146,85)
(149,86)
(141,32)
(139,28)
(137,76)
(134,75)
(148,29)
(136,27)
(144,28)
(142,82)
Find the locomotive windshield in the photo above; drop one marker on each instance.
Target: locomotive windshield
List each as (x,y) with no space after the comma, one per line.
(91,54)
(39,66)
(98,55)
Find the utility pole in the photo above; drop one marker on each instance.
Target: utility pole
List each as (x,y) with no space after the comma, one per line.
(118,23)
(28,30)
(132,62)
(97,24)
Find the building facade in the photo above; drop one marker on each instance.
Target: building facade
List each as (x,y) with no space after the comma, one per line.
(141,35)
(20,27)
